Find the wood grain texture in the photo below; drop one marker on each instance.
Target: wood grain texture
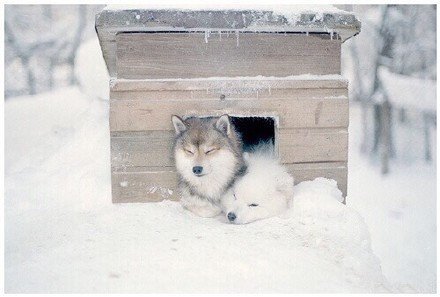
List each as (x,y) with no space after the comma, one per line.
(111,22)
(145,185)
(148,105)
(253,84)
(312,145)
(152,184)
(191,55)
(295,111)
(145,115)
(154,148)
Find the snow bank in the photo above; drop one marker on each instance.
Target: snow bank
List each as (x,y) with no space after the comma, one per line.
(63,234)
(409,92)
(91,71)
(400,210)
(280,7)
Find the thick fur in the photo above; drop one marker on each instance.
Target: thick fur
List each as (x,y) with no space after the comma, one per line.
(213,144)
(266,190)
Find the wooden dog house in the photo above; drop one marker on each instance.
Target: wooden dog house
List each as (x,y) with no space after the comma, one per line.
(250,64)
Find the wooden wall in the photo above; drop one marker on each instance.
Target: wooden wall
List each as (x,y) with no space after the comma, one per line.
(194,55)
(312,121)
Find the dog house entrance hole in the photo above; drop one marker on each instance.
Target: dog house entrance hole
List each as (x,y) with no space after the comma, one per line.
(254,130)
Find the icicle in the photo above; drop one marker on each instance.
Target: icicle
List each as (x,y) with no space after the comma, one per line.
(220,34)
(207,34)
(237,37)
(307,33)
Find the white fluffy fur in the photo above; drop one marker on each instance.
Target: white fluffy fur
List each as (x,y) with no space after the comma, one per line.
(266,183)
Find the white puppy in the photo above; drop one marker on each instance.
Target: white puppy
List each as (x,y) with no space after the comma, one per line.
(265,190)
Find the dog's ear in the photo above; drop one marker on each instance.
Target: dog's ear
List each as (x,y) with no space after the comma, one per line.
(179,124)
(224,124)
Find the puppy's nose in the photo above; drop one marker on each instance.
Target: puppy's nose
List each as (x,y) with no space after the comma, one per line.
(231,216)
(197,170)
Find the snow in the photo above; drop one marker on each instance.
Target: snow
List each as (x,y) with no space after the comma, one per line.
(307,76)
(63,234)
(400,210)
(279,7)
(91,71)
(409,92)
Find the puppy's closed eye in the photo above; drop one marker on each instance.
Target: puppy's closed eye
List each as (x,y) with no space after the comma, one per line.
(253,205)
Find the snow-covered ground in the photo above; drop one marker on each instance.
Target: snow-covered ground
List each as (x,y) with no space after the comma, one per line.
(399,208)
(63,234)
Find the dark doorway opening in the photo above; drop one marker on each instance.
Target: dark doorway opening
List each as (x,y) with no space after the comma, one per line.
(255,130)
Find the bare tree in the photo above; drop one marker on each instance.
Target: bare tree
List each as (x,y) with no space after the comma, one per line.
(24,52)
(82,21)
(40,41)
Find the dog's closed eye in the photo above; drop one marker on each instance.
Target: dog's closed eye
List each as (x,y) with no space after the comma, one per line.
(253,205)
(189,152)
(211,150)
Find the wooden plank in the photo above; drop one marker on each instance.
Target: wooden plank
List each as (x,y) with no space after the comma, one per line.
(110,22)
(192,55)
(291,112)
(313,145)
(224,83)
(149,148)
(223,94)
(154,148)
(146,185)
(149,184)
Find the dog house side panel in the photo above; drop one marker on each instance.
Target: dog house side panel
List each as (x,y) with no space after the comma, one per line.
(312,108)
(311,127)
(137,184)
(154,148)
(149,184)
(313,145)
(195,55)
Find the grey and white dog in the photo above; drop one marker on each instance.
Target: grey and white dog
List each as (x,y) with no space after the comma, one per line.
(209,157)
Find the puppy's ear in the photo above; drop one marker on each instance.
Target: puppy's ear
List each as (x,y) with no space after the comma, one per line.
(224,124)
(179,124)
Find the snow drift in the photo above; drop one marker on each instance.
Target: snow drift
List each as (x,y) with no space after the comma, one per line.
(63,234)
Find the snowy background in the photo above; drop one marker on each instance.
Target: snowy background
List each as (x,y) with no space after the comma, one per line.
(62,234)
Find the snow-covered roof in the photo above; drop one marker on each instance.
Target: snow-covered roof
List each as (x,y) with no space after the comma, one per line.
(409,92)
(185,16)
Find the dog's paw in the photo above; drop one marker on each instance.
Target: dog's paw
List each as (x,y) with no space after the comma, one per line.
(205,211)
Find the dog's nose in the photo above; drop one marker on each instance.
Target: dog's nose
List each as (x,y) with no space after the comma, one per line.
(231,216)
(197,170)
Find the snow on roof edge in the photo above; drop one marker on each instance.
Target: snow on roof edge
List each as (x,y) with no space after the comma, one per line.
(236,6)
(307,76)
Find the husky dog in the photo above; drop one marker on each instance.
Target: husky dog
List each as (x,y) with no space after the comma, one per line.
(208,156)
(265,190)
